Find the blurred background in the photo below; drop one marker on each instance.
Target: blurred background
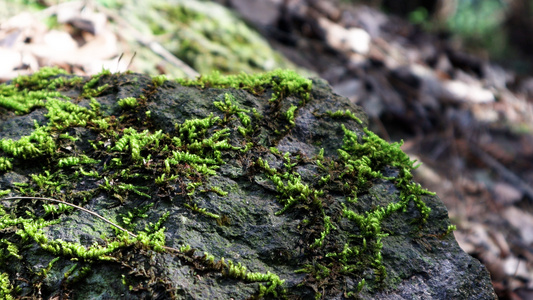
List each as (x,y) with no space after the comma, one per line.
(452,79)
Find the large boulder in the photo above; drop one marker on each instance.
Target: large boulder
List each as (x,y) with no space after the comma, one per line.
(238,187)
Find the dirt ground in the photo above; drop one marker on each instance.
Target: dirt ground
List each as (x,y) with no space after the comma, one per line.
(469,121)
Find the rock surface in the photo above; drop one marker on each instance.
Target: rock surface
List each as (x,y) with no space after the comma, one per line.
(224,193)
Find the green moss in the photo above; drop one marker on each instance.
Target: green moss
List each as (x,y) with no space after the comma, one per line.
(202,211)
(343,114)
(283,82)
(71,161)
(44,271)
(229,107)
(6,288)
(56,209)
(239,271)
(38,143)
(289,114)
(362,163)
(5,163)
(209,37)
(133,142)
(158,80)
(129,159)
(137,213)
(128,102)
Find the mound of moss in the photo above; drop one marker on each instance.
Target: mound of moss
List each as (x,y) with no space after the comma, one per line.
(243,186)
(205,35)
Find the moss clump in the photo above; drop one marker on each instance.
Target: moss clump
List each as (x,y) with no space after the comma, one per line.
(208,36)
(282,82)
(5,287)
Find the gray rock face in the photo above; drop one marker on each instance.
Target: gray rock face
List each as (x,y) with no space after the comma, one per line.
(225,193)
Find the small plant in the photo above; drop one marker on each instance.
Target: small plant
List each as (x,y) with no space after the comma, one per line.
(289,114)
(128,102)
(5,163)
(343,114)
(283,82)
(202,211)
(158,80)
(327,228)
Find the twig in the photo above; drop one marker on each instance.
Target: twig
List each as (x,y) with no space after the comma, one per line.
(84,210)
(72,205)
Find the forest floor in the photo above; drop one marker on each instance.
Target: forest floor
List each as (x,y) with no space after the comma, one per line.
(469,121)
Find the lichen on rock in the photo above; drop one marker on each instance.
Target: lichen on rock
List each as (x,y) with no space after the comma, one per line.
(222,187)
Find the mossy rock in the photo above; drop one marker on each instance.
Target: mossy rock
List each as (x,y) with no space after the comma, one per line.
(205,35)
(263,186)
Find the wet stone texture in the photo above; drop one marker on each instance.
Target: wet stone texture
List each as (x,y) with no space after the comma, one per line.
(264,215)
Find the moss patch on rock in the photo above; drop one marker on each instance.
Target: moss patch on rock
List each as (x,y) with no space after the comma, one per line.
(206,35)
(221,187)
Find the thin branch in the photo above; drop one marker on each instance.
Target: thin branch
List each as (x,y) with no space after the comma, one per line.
(72,205)
(84,210)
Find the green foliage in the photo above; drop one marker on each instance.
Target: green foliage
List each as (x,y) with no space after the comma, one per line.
(154,241)
(38,143)
(46,180)
(77,276)
(5,163)
(23,101)
(239,271)
(39,80)
(88,89)
(154,227)
(289,114)
(292,190)
(71,161)
(218,191)
(361,163)
(327,228)
(283,82)
(185,248)
(343,114)
(160,180)
(120,188)
(138,212)
(88,174)
(202,211)
(229,107)
(32,229)
(158,80)
(318,270)
(6,287)
(379,151)
(193,129)
(135,142)
(128,102)
(7,250)
(44,271)
(209,37)
(26,93)
(450,229)
(56,208)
